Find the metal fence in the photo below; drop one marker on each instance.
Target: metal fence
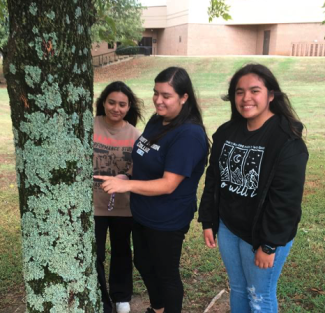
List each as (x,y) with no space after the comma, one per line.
(107,58)
(308,49)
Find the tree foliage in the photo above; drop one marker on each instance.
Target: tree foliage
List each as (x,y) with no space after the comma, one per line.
(115,21)
(218,8)
(3,9)
(4,24)
(118,21)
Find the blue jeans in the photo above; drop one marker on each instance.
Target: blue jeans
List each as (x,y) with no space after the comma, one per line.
(252,289)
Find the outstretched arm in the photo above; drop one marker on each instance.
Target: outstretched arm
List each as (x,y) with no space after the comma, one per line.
(165,185)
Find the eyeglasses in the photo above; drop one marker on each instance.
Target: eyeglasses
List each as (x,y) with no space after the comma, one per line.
(111,202)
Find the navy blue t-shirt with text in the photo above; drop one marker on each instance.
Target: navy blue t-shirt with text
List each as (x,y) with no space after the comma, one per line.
(182,151)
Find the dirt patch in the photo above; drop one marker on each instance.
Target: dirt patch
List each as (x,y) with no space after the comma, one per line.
(6,157)
(15,302)
(3,83)
(7,180)
(7,177)
(311,187)
(122,70)
(221,305)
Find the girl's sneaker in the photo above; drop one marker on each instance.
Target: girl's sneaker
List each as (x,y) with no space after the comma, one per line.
(123,307)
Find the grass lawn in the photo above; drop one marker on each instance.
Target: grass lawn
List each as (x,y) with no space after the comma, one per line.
(302,284)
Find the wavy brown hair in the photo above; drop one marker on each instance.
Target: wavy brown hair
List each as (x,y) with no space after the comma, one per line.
(136,104)
(280,105)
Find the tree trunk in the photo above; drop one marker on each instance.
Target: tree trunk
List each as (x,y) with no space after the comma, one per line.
(50,84)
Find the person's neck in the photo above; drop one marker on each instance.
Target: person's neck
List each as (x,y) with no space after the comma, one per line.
(256,124)
(113,124)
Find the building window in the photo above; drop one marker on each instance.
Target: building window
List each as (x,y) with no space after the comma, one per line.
(180,38)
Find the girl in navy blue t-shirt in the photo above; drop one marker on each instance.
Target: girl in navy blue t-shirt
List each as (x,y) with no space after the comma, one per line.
(168,161)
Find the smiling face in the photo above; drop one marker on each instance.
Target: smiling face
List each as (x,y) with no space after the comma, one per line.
(167,102)
(116,106)
(253,101)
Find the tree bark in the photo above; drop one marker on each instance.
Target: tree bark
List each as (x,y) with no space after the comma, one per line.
(49,75)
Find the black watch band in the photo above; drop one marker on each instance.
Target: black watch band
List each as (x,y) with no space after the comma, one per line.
(129,176)
(268,249)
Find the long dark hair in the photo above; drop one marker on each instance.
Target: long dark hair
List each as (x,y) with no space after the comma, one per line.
(179,79)
(280,105)
(136,104)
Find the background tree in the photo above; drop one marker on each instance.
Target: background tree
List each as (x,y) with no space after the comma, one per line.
(47,65)
(4,24)
(118,21)
(115,21)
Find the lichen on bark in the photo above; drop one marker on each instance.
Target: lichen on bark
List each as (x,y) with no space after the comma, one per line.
(51,110)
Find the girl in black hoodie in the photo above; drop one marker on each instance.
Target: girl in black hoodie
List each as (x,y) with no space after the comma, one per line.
(253,188)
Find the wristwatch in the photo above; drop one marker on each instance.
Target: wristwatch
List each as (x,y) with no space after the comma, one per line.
(129,176)
(268,249)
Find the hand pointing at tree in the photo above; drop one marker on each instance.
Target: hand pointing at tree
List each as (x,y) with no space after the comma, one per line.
(114,184)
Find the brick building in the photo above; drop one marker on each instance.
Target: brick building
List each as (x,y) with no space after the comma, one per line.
(270,27)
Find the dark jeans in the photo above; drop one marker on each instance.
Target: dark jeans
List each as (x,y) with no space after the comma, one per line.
(157,256)
(120,274)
